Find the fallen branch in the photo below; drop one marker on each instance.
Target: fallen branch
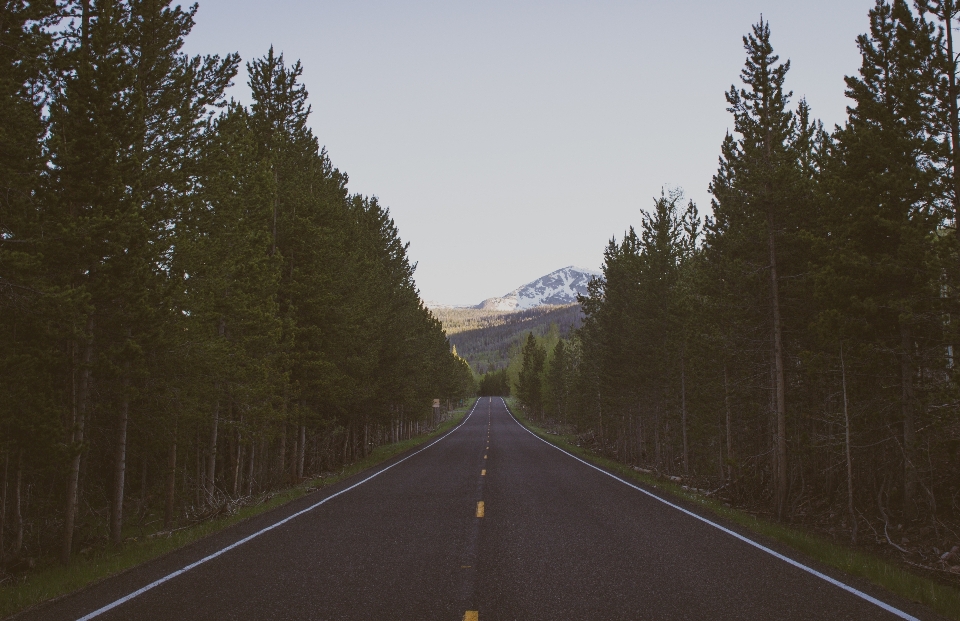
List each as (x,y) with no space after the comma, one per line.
(931,568)
(886,524)
(716,490)
(886,520)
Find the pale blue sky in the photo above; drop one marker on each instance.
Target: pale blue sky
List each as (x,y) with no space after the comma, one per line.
(510,139)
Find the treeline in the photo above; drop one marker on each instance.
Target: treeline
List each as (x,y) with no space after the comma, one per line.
(795,351)
(494,384)
(193,307)
(486,338)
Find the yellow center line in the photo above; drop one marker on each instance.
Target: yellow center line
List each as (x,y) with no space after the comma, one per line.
(480,508)
(484,456)
(483,472)
(471,615)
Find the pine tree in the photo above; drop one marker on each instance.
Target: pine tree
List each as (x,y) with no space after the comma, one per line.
(558,380)
(530,385)
(29,307)
(124,128)
(883,217)
(753,195)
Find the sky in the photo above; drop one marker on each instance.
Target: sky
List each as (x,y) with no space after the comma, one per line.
(510,139)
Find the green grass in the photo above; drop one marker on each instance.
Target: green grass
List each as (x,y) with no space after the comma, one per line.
(942,598)
(53,580)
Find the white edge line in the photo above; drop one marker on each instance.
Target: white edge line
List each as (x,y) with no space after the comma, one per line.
(170,576)
(786,559)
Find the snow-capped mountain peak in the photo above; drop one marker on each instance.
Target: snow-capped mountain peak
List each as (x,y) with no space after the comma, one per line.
(558,287)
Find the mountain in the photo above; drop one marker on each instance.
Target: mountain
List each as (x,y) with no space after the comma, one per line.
(556,288)
(486,334)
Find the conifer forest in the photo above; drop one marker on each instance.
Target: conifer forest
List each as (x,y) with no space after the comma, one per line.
(794,351)
(194,308)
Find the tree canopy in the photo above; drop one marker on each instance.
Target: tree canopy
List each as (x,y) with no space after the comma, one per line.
(793,351)
(193,306)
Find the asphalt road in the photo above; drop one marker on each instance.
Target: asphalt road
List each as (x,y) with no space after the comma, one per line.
(554,538)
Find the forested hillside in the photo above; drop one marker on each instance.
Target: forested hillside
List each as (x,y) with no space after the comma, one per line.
(193,306)
(794,351)
(485,338)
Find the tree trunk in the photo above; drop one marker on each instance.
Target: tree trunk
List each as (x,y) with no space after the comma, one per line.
(302,454)
(683,414)
(908,409)
(81,399)
(657,448)
(641,440)
(846,423)
(143,485)
(600,417)
(781,401)
(17,496)
(198,464)
(211,473)
(282,456)
(238,460)
(729,420)
(3,504)
(168,507)
(120,468)
(294,451)
(366,438)
(250,466)
(263,465)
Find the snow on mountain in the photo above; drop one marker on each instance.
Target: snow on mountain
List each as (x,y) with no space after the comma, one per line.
(559,287)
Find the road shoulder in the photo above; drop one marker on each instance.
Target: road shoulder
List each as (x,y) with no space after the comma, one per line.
(876,577)
(117,573)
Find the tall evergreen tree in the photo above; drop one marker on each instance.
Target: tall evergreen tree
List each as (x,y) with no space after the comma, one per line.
(753,197)
(29,315)
(124,128)
(530,385)
(883,215)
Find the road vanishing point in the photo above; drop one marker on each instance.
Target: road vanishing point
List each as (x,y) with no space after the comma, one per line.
(485,523)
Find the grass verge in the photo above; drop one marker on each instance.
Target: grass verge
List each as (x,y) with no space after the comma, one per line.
(53,580)
(943,599)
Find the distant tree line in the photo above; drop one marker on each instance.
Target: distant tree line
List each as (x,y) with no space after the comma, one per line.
(795,350)
(494,384)
(193,307)
(486,338)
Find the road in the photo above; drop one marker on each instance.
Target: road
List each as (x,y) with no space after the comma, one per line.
(554,538)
